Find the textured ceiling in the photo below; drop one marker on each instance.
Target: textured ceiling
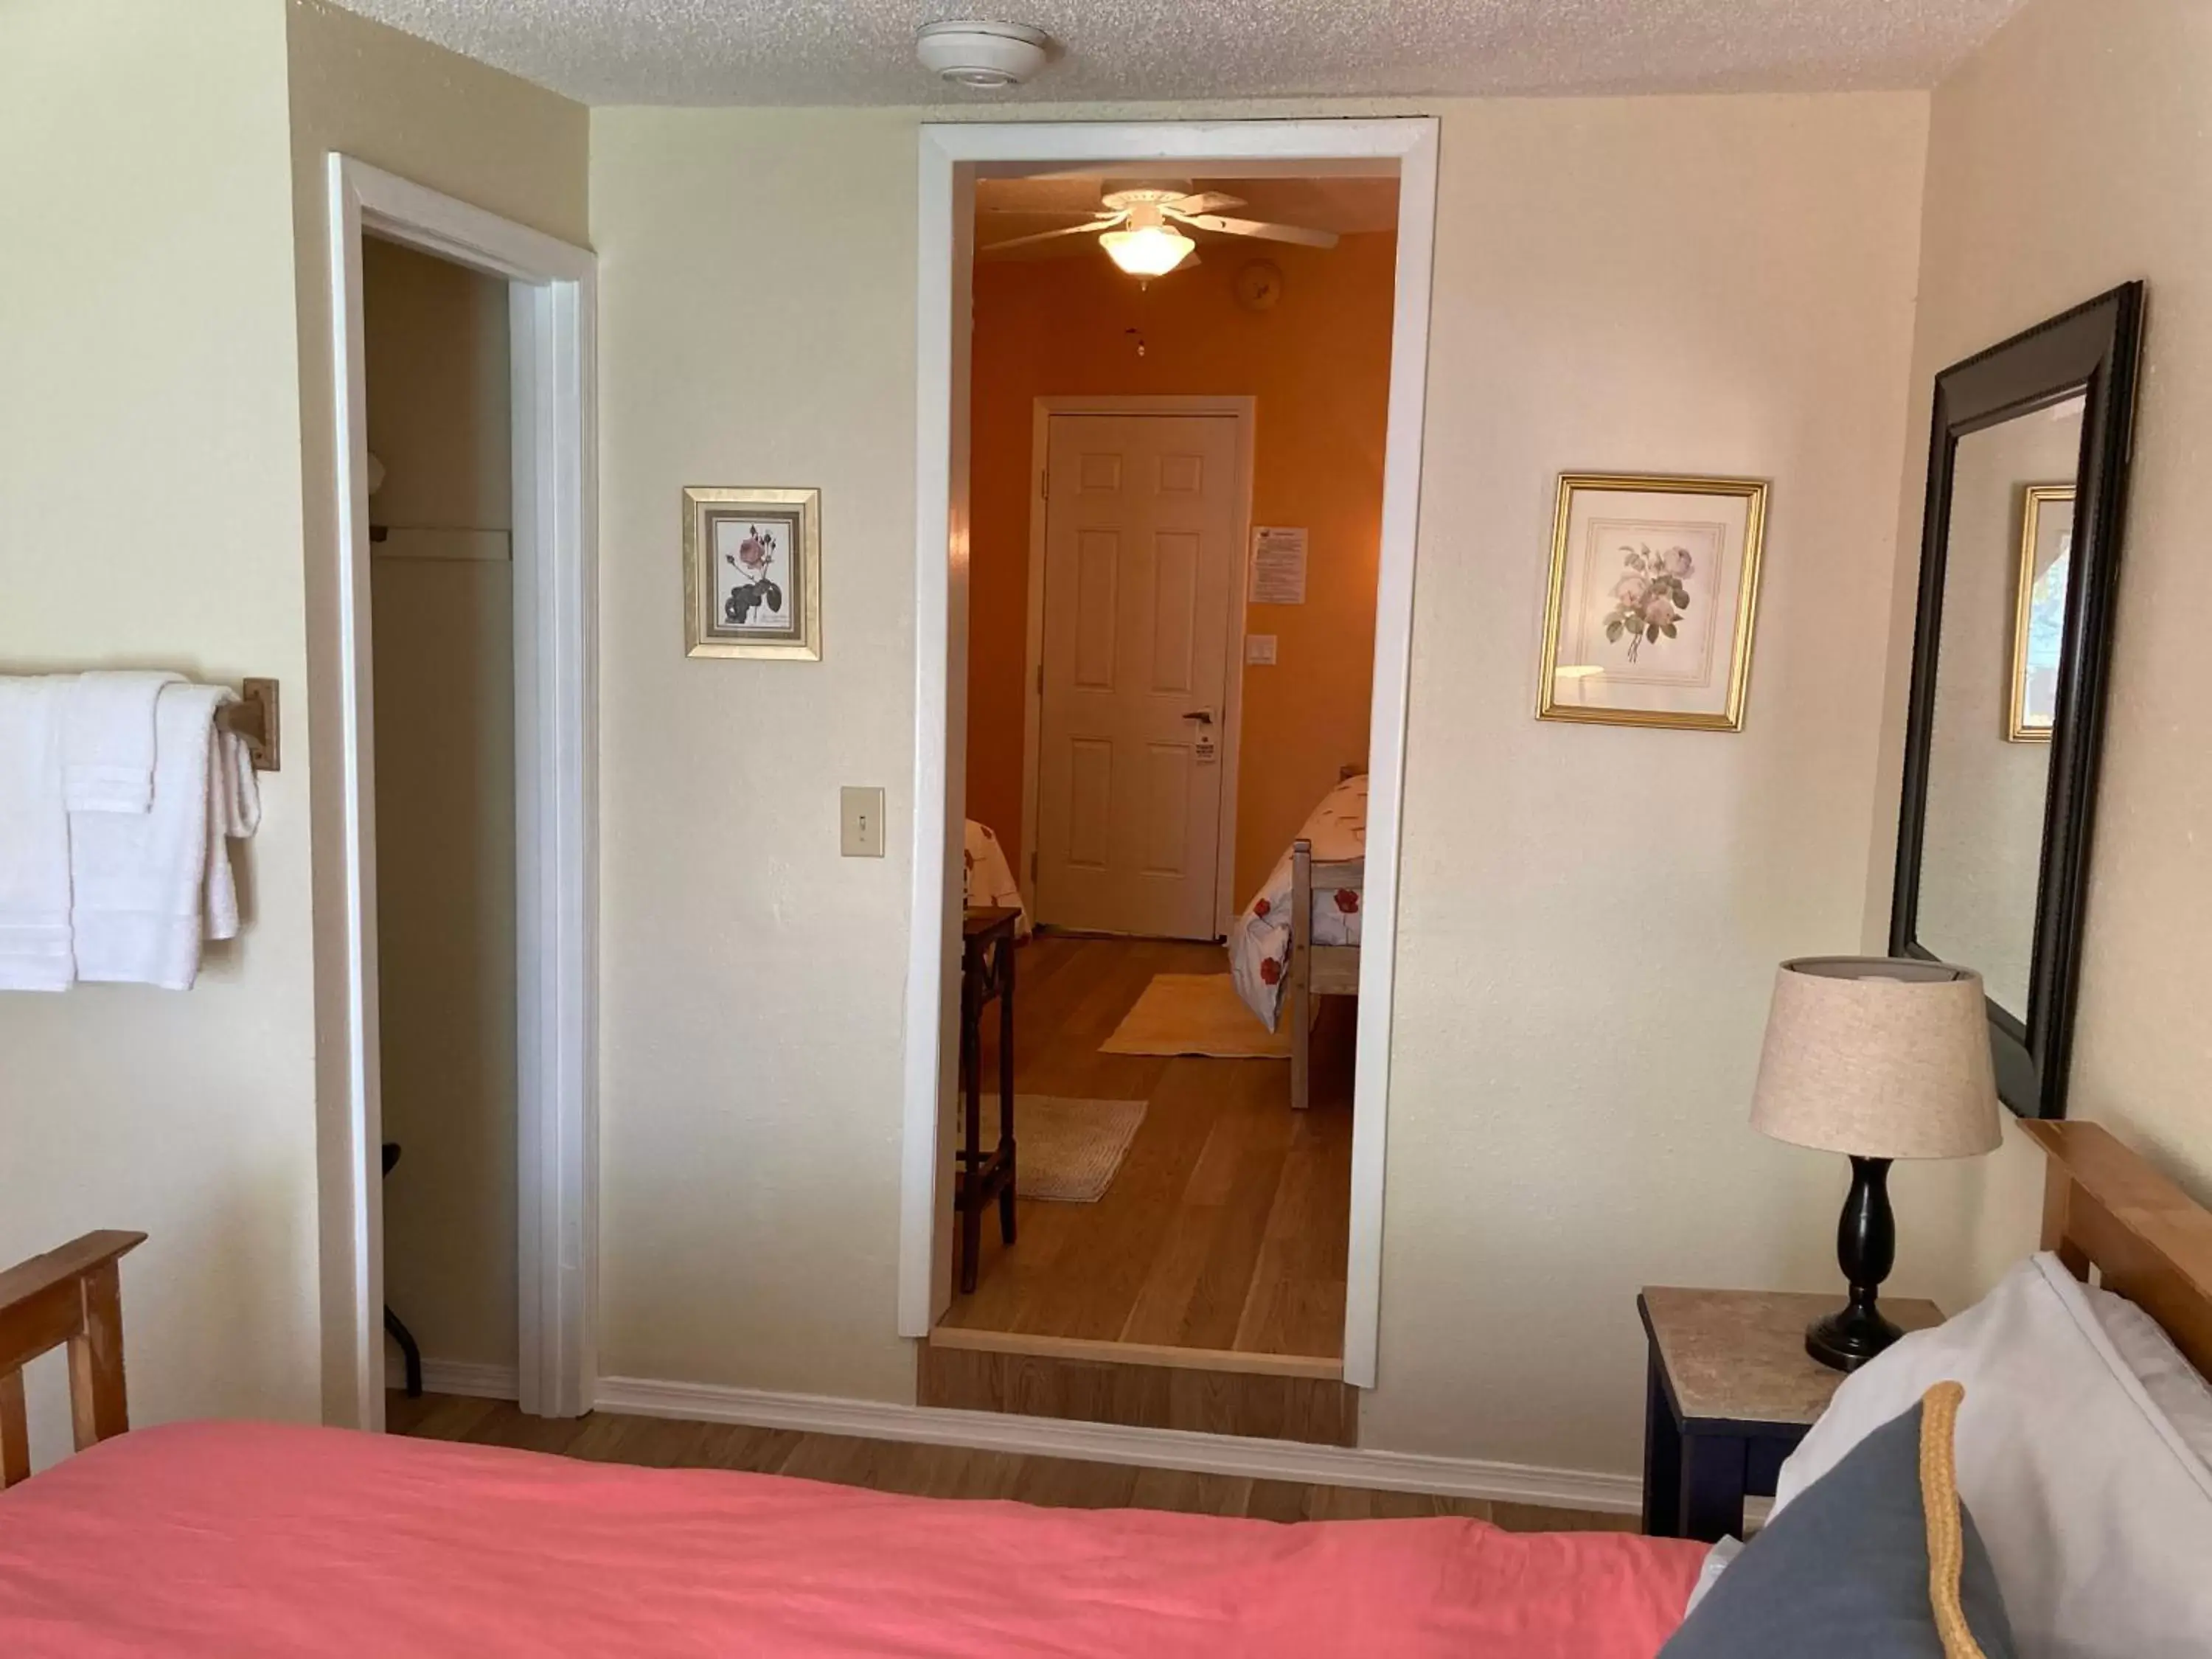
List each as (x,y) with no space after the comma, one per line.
(861,52)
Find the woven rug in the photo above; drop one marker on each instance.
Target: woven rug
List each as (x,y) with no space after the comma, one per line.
(1195,1014)
(1069,1150)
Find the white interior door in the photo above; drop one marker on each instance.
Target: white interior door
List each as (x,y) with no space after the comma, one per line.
(1140,571)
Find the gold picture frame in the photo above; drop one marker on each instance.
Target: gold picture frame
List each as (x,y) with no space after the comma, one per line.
(2021,722)
(1632,556)
(752,572)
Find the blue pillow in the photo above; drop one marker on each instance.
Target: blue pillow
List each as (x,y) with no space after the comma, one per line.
(1843,1571)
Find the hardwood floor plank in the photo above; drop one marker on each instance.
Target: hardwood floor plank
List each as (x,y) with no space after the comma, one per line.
(945,1471)
(1227,1225)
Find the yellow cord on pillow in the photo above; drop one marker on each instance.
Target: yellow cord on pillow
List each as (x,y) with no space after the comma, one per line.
(1939,1502)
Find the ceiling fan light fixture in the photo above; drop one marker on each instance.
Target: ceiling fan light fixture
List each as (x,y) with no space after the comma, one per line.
(1147,249)
(987,57)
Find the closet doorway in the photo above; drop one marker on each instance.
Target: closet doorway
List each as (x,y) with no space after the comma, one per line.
(442,579)
(539,821)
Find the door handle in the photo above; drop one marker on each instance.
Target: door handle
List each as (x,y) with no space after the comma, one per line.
(1203,716)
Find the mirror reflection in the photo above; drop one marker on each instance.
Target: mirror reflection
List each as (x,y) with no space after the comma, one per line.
(2007,565)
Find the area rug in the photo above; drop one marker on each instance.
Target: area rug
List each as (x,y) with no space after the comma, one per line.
(1067,1150)
(1195,1014)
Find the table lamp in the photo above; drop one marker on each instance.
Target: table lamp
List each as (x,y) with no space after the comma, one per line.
(1879,1058)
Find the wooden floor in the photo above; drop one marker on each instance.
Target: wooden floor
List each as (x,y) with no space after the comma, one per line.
(1226,1226)
(946,1471)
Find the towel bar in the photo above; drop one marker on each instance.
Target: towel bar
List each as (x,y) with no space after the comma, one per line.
(253,718)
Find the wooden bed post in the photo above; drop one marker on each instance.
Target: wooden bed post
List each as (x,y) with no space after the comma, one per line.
(71,1296)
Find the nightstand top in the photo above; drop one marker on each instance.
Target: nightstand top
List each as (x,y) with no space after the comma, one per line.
(1739,1356)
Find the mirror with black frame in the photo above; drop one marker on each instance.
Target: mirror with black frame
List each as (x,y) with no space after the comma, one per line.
(2019,548)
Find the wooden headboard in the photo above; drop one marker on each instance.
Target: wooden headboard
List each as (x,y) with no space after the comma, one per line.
(2105,1207)
(72,1295)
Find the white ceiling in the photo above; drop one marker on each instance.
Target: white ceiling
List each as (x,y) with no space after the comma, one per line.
(861,52)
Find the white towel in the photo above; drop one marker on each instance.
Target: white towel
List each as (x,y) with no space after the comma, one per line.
(107,741)
(34,859)
(233,814)
(140,880)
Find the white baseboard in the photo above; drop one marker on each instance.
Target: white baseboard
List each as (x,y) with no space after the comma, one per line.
(1114,1443)
(463,1376)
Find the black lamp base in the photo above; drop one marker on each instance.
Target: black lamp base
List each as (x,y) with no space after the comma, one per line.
(1846,1339)
(1866,1246)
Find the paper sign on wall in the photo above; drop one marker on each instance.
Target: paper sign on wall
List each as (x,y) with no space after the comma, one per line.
(1278,565)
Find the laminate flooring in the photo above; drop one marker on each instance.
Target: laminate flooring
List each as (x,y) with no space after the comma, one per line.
(946,1471)
(1226,1227)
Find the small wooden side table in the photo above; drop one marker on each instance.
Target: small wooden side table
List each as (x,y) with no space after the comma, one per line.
(986,971)
(1730,1393)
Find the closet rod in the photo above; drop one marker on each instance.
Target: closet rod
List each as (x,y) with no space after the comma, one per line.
(253,717)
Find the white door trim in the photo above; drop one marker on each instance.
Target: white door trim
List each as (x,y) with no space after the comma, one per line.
(952,155)
(1243,411)
(553,313)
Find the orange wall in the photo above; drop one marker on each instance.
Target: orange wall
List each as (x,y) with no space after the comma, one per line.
(1318,365)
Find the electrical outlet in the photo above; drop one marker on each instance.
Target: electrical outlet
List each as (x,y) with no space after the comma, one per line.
(1260,648)
(860,833)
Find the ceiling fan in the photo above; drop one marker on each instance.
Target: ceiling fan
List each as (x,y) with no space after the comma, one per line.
(1140,227)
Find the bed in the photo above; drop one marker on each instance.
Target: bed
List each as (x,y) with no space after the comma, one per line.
(987,879)
(242,1539)
(1298,940)
(247,1539)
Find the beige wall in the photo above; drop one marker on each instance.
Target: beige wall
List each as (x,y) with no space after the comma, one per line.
(757,327)
(1590,915)
(435,346)
(498,143)
(150,515)
(2070,155)
(1718,284)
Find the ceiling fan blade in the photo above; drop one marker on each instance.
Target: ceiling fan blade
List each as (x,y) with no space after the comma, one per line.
(1211,201)
(1091,230)
(1266,232)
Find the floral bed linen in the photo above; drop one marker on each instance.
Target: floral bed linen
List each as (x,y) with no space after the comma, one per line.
(989,879)
(1260,942)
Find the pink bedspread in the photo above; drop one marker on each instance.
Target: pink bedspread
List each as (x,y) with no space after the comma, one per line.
(247,1539)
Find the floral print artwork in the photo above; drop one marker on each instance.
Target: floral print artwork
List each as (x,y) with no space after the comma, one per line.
(1652,595)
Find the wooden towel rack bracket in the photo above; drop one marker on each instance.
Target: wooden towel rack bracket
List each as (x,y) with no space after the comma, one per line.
(253,717)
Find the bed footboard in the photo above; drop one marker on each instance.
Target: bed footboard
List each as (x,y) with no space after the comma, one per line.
(1314,969)
(74,1296)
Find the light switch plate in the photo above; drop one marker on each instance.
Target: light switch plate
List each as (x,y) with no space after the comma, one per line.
(1260,648)
(860,812)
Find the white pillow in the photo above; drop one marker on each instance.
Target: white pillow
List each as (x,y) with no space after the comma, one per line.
(2170,1380)
(2097,1514)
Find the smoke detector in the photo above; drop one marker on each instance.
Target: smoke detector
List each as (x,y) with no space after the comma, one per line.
(984,56)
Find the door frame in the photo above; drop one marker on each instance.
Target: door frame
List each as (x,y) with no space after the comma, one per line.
(552,322)
(1243,411)
(952,155)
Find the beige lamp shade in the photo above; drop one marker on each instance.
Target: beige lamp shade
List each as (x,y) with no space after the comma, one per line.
(1878,1057)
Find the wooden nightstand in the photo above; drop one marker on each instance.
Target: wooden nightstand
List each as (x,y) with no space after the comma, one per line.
(1730,1392)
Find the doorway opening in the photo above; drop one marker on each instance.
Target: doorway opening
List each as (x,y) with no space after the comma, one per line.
(1175,612)
(435,346)
(511,637)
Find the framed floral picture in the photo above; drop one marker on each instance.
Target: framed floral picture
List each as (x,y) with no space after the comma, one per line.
(1655,584)
(752,572)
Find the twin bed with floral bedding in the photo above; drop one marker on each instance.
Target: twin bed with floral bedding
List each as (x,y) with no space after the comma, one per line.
(1261,944)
